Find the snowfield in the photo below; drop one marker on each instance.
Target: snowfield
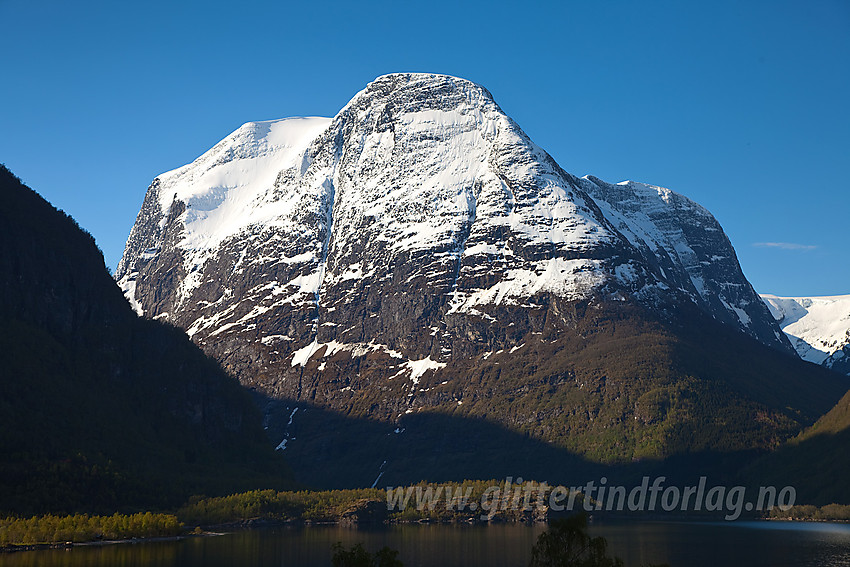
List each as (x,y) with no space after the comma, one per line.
(819,327)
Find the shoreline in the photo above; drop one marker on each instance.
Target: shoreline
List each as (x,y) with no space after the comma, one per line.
(261,523)
(15,548)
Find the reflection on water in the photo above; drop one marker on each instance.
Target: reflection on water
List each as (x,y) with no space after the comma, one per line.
(768,544)
(750,544)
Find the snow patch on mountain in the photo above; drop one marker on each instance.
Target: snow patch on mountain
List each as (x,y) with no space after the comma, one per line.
(419,367)
(237,170)
(301,356)
(232,187)
(128,286)
(572,279)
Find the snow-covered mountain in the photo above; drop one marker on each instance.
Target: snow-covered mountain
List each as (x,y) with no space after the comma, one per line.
(420,182)
(379,262)
(819,327)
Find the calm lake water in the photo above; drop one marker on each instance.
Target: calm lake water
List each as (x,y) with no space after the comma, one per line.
(750,544)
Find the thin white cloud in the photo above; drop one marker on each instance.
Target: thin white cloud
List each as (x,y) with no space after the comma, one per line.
(784,245)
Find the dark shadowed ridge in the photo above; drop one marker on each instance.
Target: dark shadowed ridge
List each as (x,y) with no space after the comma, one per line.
(815,462)
(102,410)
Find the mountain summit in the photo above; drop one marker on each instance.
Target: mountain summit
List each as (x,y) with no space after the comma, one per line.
(420,183)
(387,261)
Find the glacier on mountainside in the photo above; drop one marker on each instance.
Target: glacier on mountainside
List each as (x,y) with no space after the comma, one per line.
(819,327)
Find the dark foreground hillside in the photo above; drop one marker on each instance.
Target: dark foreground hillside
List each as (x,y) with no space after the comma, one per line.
(101,410)
(816,462)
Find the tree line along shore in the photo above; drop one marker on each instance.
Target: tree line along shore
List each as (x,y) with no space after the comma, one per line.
(259,507)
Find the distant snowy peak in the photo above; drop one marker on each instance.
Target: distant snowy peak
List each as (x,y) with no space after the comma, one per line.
(819,327)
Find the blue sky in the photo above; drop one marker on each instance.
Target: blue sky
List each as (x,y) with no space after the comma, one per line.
(742,106)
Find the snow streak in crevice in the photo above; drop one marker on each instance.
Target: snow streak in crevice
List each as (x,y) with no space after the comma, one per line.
(329,203)
(466,231)
(472,203)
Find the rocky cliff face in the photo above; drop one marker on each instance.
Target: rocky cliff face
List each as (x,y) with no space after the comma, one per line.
(359,263)
(686,245)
